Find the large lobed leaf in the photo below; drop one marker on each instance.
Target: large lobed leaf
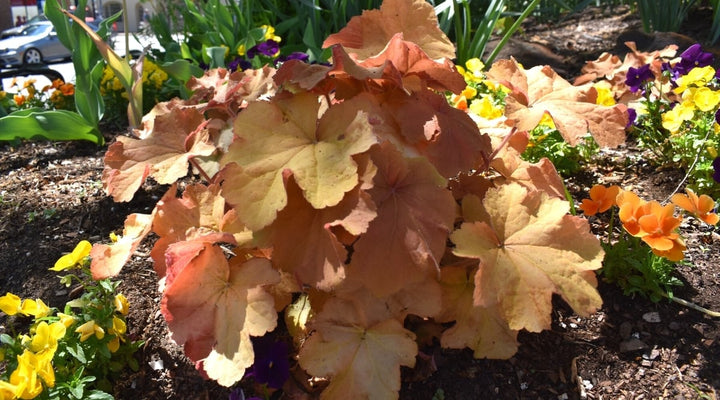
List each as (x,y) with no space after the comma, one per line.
(304,243)
(529,248)
(368,34)
(415,213)
(213,306)
(164,153)
(288,134)
(360,347)
(541,90)
(480,328)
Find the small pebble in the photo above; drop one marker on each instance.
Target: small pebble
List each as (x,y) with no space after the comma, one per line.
(652,317)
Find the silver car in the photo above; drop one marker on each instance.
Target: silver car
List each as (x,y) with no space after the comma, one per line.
(36,43)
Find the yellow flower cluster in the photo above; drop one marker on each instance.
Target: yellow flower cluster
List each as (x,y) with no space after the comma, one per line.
(152,76)
(34,365)
(695,96)
(478,97)
(34,370)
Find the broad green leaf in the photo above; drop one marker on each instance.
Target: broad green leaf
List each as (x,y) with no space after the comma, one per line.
(529,248)
(51,125)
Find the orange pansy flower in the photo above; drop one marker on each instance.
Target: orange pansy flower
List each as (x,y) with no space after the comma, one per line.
(68,89)
(630,211)
(601,199)
(19,99)
(699,206)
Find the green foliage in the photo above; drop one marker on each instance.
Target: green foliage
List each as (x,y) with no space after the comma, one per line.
(636,269)
(546,142)
(87,60)
(73,354)
(51,125)
(471,27)
(665,18)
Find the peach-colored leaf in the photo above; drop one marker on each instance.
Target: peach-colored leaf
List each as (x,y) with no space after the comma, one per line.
(207,296)
(368,34)
(286,135)
(108,259)
(448,137)
(415,213)
(302,239)
(541,90)
(164,154)
(477,327)
(414,69)
(529,248)
(199,211)
(360,347)
(220,90)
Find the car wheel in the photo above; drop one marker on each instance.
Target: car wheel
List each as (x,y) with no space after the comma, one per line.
(32,56)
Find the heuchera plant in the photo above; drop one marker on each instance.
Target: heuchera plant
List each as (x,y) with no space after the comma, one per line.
(360,187)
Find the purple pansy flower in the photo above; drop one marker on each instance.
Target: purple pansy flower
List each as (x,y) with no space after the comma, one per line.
(636,77)
(717,116)
(691,58)
(297,55)
(632,116)
(239,64)
(716,167)
(267,48)
(271,365)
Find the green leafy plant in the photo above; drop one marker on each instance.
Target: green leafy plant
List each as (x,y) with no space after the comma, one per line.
(667,18)
(154,86)
(472,32)
(36,123)
(73,354)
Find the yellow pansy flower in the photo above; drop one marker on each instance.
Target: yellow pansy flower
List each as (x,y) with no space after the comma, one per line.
(270,33)
(547,120)
(25,376)
(66,320)
(705,99)
(88,329)
(68,261)
(672,120)
(604,94)
(699,76)
(484,108)
(121,304)
(114,344)
(10,304)
(46,337)
(36,308)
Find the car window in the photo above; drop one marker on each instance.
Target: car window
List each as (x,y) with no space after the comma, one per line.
(33,30)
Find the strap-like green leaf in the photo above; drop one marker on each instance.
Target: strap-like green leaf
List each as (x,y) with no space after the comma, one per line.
(51,125)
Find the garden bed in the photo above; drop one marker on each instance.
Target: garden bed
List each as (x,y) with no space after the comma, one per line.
(51,197)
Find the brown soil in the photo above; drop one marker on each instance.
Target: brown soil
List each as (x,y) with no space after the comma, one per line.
(51,197)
